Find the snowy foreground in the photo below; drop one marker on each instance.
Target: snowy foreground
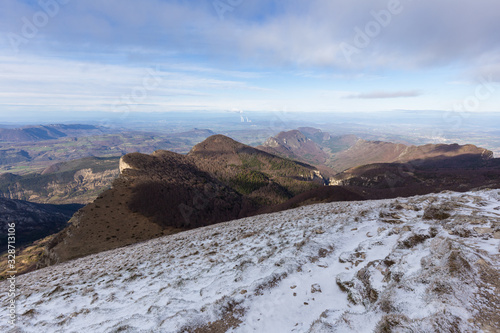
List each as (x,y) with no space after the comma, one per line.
(422,264)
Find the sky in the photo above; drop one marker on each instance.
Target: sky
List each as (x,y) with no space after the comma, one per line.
(248,55)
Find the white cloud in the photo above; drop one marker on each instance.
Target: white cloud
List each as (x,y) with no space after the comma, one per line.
(94,52)
(385,94)
(294,34)
(81,85)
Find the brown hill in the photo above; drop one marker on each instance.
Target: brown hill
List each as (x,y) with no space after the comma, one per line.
(165,192)
(264,177)
(330,143)
(390,180)
(333,154)
(369,152)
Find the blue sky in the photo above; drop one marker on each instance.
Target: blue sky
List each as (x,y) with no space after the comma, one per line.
(250,55)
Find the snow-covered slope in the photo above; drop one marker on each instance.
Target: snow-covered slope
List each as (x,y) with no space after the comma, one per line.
(422,264)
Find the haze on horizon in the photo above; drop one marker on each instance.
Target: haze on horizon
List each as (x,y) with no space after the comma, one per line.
(252,55)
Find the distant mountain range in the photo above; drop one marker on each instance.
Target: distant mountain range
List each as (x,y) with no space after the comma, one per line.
(47,132)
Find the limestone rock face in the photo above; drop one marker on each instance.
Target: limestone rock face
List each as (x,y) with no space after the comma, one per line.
(124,165)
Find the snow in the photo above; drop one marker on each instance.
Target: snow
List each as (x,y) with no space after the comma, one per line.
(279,272)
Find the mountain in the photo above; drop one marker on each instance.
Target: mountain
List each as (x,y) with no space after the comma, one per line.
(369,152)
(76,181)
(309,145)
(388,180)
(332,144)
(421,264)
(48,132)
(295,145)
(164,193)
(333,154)
(266,178)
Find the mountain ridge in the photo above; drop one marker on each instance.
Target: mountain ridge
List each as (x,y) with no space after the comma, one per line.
(340,153)
(165,192)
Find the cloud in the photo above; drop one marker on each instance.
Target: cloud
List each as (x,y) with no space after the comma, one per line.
(100,50)
(385,94)
(55,84)
(272,33)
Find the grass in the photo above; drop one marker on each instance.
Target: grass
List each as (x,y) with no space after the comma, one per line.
(26,258)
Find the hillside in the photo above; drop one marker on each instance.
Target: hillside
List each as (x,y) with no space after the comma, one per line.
(33,221)
(165,193)
(389,180)
(421,264)
(369,152)
(309,145)
(295,145)
(331,143)
(266,178)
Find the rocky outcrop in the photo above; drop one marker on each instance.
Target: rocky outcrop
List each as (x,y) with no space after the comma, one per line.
(124,165)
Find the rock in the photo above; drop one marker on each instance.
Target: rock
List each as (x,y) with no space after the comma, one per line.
(315,288)
(483,230)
